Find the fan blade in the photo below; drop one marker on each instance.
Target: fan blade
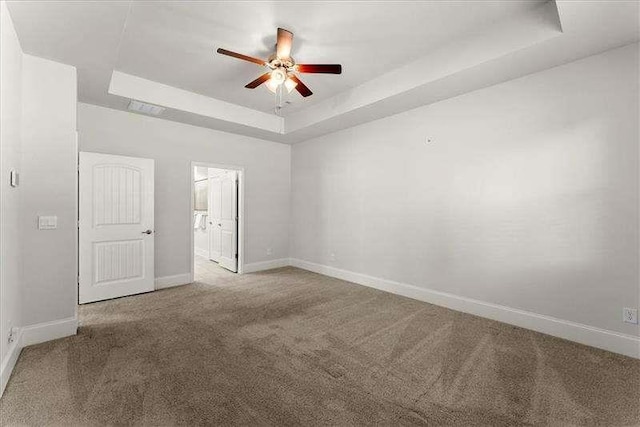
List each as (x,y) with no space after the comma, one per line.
(241,56)
(320,68)
(257,82)
(283,45)
(304,90)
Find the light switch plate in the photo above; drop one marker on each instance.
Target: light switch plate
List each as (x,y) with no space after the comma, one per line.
(47,222)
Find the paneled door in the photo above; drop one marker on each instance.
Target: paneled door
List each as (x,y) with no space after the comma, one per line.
(116,227)
(215,217)
(229,221)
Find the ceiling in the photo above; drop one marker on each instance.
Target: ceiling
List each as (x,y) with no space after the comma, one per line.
(367,38)
(394,54)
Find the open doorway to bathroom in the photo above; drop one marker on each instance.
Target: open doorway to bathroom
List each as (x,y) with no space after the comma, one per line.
(217,212)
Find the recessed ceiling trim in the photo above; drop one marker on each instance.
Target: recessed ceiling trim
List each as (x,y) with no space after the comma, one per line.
(134,87)
(493,42)
(521,32)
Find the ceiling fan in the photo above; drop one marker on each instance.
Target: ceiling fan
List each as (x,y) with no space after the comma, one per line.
(283,68)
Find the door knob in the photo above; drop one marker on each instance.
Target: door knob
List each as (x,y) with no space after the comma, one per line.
(147,232)
(219,225)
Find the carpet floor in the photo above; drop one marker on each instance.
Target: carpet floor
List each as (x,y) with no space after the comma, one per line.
(290,347)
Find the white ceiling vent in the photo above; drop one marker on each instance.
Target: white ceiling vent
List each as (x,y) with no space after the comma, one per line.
(141,107)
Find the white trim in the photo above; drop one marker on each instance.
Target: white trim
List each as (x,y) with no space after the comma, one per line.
(76,229)
(47,331)
(628,345)
(9,361)
(171,281)
(266,265)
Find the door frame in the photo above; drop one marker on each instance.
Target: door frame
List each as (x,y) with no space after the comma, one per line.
(241,222)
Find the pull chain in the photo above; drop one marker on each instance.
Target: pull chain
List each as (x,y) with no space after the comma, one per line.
(278,100)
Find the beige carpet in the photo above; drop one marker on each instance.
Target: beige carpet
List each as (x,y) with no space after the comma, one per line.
(289,347)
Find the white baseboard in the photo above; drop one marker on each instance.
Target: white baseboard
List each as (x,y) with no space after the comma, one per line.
(34,334)
(628,345)
(265,265)
(9,361)
(47,331)
(171,281)
(201,252)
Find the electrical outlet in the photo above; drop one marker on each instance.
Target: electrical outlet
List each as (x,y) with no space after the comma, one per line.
(630,315)
(12,335)
(332,256)
(269,251)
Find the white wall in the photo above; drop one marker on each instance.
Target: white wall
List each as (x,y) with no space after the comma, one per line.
(173,146)
(48,181)
(38,281)
(527,196)
(10,154)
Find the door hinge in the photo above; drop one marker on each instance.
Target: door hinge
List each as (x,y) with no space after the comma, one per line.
(236,256)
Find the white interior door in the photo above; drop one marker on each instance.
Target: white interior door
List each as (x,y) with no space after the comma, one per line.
(229,221)
(116,226)
(215,216)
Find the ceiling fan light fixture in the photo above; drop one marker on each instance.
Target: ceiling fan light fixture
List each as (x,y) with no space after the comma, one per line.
(290,85)
(272,85)
(278,76)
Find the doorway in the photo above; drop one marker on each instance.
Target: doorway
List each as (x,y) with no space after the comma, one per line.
(217,212)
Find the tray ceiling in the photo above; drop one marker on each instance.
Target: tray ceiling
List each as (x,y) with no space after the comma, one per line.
(391,52)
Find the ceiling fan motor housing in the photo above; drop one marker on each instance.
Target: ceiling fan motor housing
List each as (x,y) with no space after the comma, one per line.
(274,62)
